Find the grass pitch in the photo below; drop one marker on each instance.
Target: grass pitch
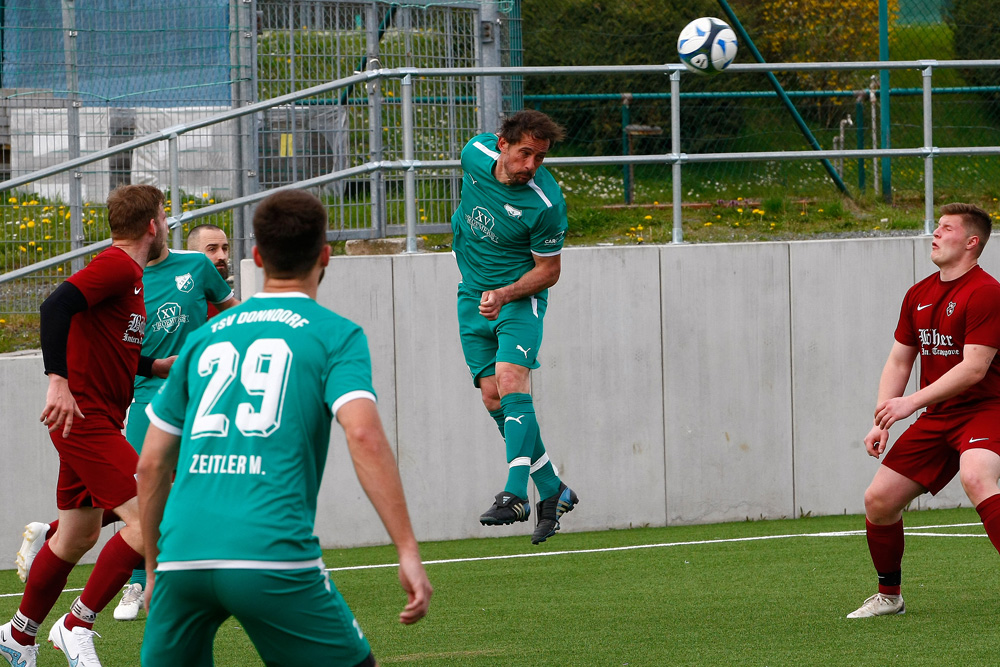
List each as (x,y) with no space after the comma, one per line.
(747,593)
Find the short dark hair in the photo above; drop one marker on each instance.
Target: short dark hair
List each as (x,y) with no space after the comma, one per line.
(976,221)
(196,231)
(130,208)
(290,227)
(533,123)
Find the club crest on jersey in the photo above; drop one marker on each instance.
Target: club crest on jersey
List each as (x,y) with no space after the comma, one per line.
(185,283)
(169,318)
(511,211)
(481,222)
(951,308)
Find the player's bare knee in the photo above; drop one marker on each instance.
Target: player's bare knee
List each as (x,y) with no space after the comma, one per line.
(879,508)
(978,487)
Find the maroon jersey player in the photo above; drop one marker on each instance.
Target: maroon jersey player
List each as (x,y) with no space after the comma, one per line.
(92,329)
(951,321)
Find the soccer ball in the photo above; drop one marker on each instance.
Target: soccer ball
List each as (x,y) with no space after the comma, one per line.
(707,45)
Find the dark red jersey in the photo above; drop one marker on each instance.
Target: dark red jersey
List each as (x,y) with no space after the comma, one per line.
(102,352)
(940,318)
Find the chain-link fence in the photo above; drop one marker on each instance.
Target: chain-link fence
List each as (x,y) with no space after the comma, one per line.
(81,75)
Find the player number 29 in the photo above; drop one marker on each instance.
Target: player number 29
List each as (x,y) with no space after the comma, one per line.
(264,373)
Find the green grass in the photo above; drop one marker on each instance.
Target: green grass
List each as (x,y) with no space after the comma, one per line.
(778,601)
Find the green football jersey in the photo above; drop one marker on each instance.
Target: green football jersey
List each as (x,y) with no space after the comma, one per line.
(497,228)
(177,292)
(252,395)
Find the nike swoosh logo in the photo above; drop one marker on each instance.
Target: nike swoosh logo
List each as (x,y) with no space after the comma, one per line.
(919,307)
(971,440)
(73,661)
(139,289)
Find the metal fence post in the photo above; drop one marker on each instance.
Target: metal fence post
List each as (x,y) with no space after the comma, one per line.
(376,180)
(409,176)
(626,119)
(677,234)
(175,187)
(73,130)
(927,73)
(247,136)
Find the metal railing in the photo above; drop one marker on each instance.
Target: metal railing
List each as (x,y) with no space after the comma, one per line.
(676,158)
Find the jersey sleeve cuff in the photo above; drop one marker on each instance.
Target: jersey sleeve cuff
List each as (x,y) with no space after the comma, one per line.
(160,424)
(350,396)
(546,254)
(224,299)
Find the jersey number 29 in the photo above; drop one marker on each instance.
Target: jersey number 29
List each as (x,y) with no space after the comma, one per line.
(264,373)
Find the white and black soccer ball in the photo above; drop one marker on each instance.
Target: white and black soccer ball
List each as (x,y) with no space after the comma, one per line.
(707,45)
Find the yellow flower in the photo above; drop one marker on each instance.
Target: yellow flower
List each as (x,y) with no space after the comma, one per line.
(31,243)
(631,229)
(211,201)
(739,199)
(718,217)
(648,217)
(819,210)
(23,226)
(3,321)
(739,210)
(31,223)
(59,269)
(48,237)
(639,228)
(656,203)
(23,249)
(204,195)
(708,224)
(802,212)
(92,212)
(13,200)
(33,202)
(67,214)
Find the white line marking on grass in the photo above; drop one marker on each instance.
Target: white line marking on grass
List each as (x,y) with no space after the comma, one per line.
(17,595)
(842,533)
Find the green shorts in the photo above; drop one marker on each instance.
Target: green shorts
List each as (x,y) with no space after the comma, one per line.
(136,425)
(293,617)
(513,338)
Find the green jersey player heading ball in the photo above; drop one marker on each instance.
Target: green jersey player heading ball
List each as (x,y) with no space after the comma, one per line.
(245,419)
(508,236)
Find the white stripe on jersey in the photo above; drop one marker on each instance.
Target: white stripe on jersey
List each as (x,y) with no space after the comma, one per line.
(160,424)
(213,564)
(483,148)
(546,254)
(350,396)
(538,190)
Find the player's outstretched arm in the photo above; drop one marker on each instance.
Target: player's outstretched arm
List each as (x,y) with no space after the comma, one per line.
(153,477)
(379,477)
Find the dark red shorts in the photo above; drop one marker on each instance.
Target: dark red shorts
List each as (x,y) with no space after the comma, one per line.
(928,451)
(96,466)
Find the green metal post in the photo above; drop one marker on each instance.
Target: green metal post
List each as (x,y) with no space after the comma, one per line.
(859,122)
(806,132)
(626,120)
(884,125)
